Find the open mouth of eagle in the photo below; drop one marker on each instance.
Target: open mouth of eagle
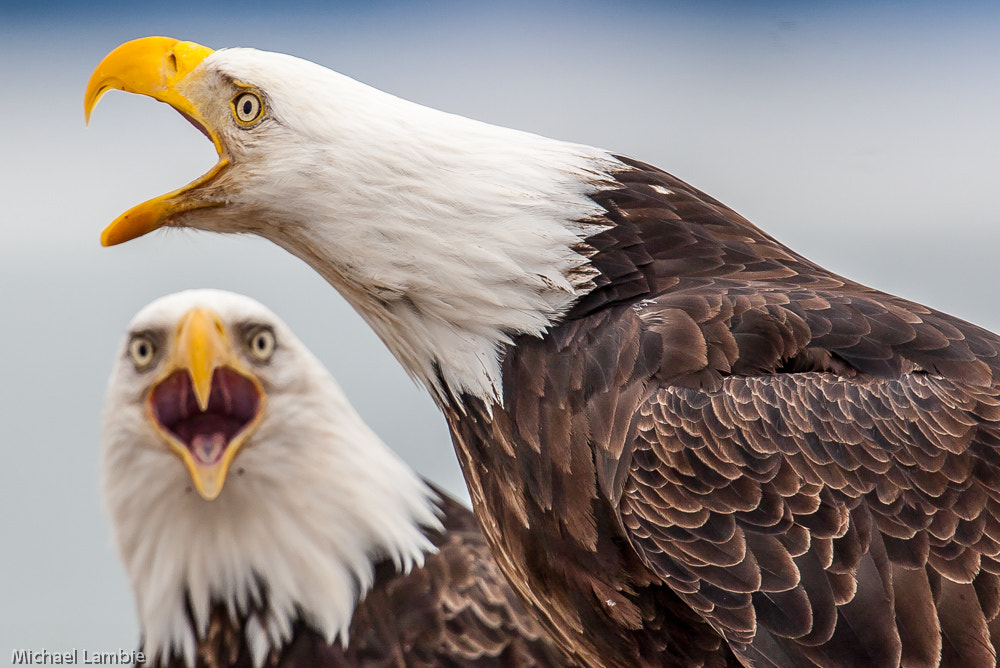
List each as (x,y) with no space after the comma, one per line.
(201,128)
(232,406)
(158,67)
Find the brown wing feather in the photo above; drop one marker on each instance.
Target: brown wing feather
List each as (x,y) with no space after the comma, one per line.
(455,610)
(822,407)
(703,456)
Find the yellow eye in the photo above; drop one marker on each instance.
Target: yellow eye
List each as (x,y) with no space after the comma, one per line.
(142,351)
(247,107)
(261,344)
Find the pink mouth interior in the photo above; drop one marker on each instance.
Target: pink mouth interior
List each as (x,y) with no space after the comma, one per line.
(232,405)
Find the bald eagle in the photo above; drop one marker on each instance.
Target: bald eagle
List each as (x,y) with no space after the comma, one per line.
(261,522)
(674,429)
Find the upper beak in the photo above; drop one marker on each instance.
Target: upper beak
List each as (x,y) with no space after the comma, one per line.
(158,67)
(201,348)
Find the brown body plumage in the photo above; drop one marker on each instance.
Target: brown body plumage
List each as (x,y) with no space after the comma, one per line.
(807,463)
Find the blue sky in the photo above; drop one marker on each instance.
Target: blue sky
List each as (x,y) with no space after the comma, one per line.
(863,135)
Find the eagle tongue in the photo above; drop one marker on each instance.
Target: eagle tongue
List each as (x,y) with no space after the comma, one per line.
(208,448)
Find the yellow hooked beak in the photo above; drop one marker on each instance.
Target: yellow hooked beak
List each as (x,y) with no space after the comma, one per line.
(202,346)
(201,349)
(158,67)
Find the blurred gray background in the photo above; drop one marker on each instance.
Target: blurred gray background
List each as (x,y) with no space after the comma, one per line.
(864,135)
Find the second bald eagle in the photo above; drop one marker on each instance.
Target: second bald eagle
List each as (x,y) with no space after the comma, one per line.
(262,523)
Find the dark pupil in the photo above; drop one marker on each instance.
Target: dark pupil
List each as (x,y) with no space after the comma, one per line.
(142,350)
(247,107)
(261,344)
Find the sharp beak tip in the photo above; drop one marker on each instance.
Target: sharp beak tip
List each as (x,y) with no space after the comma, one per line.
(108,240)
(96,88)
(209,481)
(202,397)
(209,494)
(88,109)
(108,237)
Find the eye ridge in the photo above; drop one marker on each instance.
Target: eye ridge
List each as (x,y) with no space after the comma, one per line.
(248,107)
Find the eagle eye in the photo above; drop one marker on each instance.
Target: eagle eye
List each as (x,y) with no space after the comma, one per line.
(261,343)
(247,107)
(142,350)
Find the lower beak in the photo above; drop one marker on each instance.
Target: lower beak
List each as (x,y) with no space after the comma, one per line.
(160,211)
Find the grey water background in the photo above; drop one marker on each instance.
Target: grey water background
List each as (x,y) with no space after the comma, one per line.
(863,135)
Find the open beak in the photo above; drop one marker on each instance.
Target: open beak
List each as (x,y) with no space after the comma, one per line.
(159,67)
(205,405)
